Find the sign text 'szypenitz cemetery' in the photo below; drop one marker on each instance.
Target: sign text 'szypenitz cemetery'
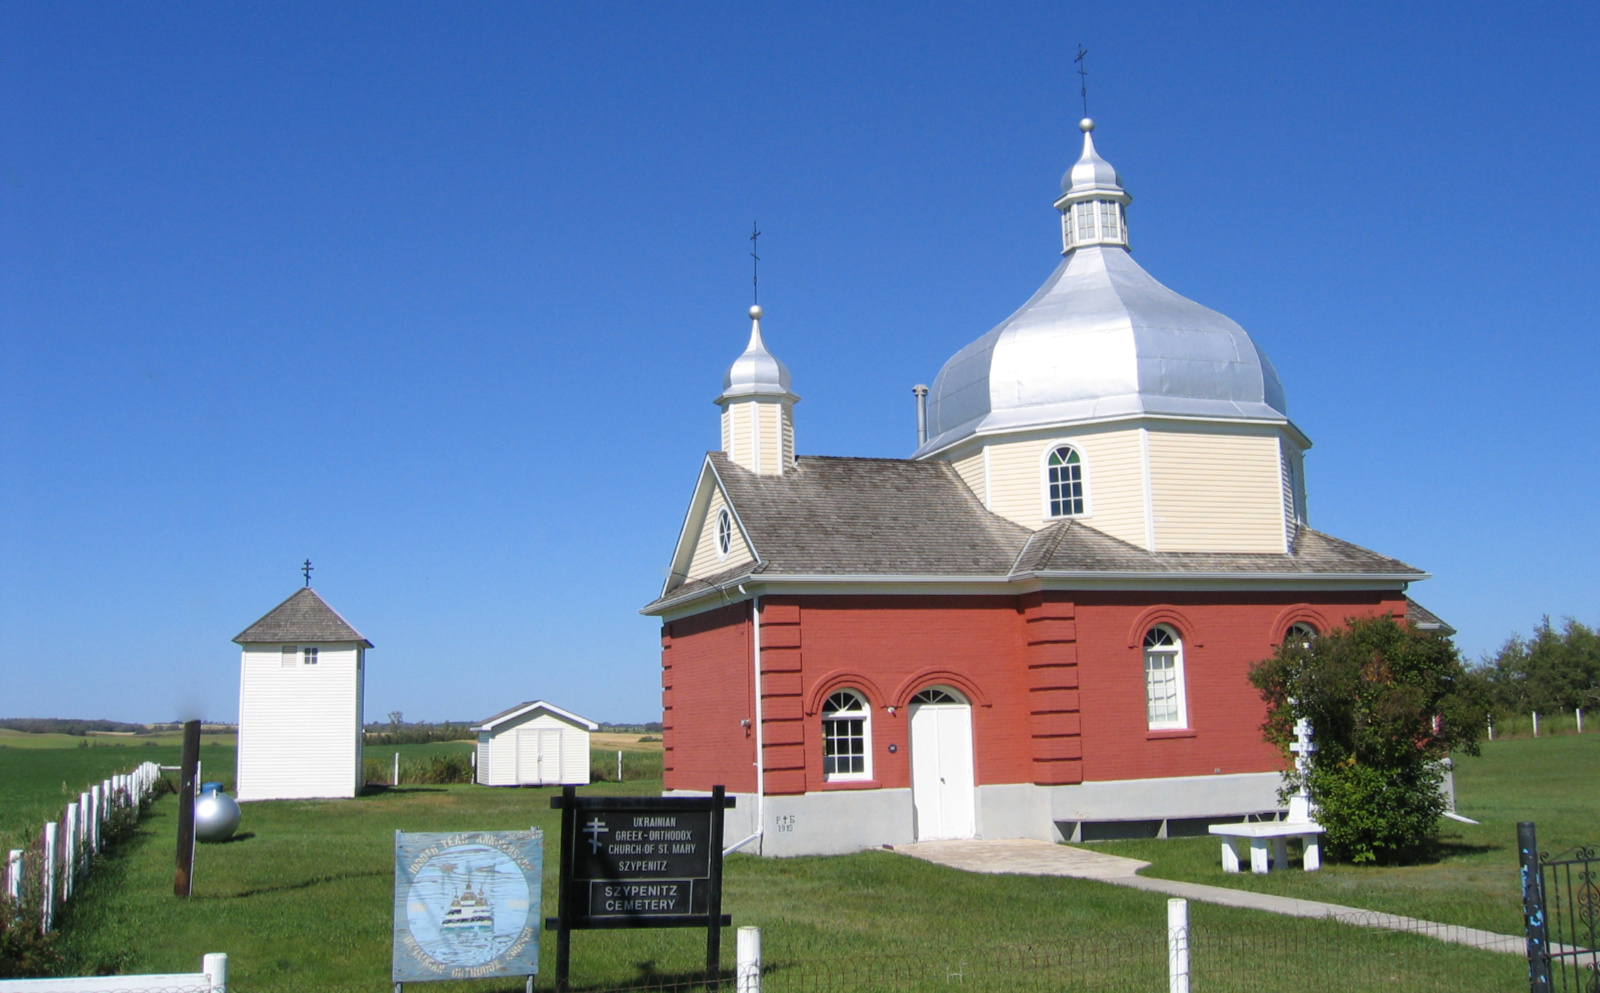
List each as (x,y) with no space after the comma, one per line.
(466,905)
(639,862)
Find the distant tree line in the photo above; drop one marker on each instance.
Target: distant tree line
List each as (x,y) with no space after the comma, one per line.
(58,725)
(398,732)
(1549,672)
(653,727)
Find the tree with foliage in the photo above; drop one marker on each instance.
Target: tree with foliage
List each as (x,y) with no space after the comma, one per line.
(1549,672)
(1386,703)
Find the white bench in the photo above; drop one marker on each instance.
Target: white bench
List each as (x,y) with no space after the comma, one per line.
(1279,832)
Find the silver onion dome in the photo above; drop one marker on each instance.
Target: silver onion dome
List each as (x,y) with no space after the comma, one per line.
(1101,339)
(756,372)
(1090,173)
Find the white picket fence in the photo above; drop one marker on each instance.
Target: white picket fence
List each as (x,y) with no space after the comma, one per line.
(212,978)
(66,845)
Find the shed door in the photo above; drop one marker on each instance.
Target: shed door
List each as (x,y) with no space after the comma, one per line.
(539,757)
(941,765)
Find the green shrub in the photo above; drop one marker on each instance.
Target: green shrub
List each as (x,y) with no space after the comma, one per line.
(635,765)
(1386,702)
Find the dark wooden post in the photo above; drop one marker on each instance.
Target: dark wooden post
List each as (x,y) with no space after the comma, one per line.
(569,841)
(1533,909)
(714,904)
(182,879)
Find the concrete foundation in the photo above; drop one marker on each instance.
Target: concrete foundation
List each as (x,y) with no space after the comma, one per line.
(835,822)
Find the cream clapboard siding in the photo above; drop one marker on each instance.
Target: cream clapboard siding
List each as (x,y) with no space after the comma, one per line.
(970,469)
(300,725)
(1215,490)
(705,561)
(769,433)
(759,435)
(505,753)
(1113,478)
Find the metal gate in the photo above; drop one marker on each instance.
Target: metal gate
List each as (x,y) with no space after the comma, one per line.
(1561,915)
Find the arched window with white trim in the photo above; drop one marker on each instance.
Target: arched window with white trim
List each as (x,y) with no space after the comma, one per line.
(1300,635)
(1163,679)
(846,737)
(1064,489)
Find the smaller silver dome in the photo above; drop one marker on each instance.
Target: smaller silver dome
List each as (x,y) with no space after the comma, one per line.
(1091,173)
(757,372)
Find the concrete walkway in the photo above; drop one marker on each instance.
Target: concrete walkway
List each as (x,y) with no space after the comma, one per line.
(1042,858)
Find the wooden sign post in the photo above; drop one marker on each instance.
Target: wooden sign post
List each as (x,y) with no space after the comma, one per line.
(187,771)
(639,862)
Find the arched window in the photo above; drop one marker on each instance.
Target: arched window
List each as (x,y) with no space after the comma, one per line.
(724,533)
(1163,678)
(1299,634)
(936,695)
(846,737)
(1064,482)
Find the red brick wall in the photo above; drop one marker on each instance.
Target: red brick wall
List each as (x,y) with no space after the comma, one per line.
(705,693)
(1056,681)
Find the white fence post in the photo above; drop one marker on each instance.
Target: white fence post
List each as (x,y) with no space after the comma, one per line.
(396,776)
(47,875)
(1536,724)
(747,974)
(215,966)
(69,850)
(95,804)
(85,829)
(1580,720)
(619,765)
(14,874)
(1177,946)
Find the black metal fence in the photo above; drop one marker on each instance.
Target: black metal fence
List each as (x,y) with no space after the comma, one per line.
(1561,915)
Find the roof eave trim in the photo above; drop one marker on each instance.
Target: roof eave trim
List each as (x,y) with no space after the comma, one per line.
(364,643)
(926,452)
(536,705)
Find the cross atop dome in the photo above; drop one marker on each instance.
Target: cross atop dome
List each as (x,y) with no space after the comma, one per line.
(1093,203)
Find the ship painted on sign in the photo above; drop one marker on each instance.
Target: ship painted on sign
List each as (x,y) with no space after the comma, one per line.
(468,912)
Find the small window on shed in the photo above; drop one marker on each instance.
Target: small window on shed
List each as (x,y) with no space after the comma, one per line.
(308,655)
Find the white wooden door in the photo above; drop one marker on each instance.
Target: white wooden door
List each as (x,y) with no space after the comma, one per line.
(538,757)
(941,770)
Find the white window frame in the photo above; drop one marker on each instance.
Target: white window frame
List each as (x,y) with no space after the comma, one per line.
(1044,480)
(1175,653)
(309,655)
(864,715)
(723,539)
(1304,628)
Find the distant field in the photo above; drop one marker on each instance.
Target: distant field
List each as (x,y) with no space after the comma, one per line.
(627,742)
(105,739)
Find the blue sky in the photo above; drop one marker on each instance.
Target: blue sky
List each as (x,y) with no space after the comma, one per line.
(439,295)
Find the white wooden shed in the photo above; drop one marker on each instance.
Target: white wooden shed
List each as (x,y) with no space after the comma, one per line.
(534,744)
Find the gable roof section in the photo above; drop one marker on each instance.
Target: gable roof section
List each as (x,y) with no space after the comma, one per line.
(303,617)
(523,708)
(699,505)
(856,520)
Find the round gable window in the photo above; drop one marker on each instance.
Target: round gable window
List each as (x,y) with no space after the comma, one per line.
(724,533)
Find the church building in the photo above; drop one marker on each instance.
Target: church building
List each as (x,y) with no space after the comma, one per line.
(1040,624)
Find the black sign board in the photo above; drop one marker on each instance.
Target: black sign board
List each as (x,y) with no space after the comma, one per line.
(639,862)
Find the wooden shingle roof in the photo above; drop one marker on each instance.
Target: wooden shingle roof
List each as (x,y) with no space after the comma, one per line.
(861,519)
(303,617)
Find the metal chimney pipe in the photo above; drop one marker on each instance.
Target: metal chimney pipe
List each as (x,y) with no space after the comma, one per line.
(922,413)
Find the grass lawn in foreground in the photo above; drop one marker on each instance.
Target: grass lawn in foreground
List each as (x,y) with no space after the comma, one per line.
(1473,881)
(303,899)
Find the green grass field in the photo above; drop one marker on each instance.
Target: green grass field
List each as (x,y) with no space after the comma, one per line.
(302,899)
(1473,880)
